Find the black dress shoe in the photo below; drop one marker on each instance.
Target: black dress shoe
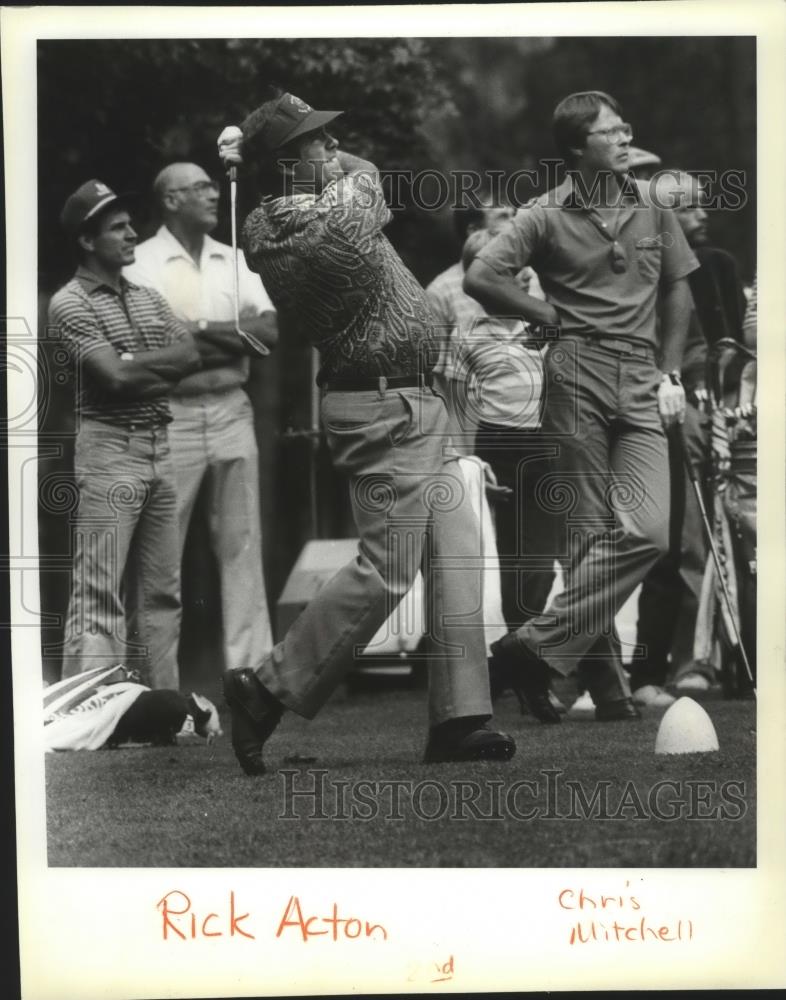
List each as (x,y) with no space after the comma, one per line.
(466,740)
(622,710)
(255,714)
(512,665)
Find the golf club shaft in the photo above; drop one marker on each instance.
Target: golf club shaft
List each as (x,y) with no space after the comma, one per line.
(233,207)
(256,345)
(713,549)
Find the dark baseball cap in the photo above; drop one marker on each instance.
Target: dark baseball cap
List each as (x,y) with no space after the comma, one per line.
(277,122)
(86,202)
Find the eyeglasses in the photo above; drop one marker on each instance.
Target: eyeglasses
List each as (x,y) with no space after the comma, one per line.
(198,187)
(614,134)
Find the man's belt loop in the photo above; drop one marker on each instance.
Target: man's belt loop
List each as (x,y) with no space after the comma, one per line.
(383,385)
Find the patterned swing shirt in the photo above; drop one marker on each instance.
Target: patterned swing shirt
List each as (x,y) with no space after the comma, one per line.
(336,280)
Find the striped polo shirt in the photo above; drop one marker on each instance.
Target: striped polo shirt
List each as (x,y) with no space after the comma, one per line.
(88,313)
(503,370)
(455,312)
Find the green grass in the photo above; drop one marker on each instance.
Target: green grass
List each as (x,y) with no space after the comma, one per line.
(191,806)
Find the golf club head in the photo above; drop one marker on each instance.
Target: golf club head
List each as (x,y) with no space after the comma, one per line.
(256,345)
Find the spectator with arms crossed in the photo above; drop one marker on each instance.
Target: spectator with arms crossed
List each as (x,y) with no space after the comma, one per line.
(212,431)
(129,351)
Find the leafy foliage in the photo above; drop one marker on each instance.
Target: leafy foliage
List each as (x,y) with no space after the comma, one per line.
(119,110)
(692,100)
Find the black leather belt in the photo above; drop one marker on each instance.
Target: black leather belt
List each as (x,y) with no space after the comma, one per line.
(132,425)
(379,384)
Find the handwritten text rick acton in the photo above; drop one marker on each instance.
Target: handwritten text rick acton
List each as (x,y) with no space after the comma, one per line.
(181,920)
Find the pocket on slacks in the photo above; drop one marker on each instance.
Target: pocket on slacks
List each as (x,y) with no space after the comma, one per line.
(400,427)
(345,411)
(94,441)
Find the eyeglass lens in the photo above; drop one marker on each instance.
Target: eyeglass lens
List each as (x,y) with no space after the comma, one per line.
(623,131)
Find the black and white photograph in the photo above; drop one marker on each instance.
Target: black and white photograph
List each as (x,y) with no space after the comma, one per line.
(387,497)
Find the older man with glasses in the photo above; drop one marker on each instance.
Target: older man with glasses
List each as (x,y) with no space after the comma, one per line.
(212,434)
(611,261)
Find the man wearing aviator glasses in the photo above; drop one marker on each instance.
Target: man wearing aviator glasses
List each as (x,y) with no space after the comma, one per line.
(613,266)
(212,433)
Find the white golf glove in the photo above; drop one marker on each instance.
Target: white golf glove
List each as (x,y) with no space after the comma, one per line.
(671,402)
(230,144)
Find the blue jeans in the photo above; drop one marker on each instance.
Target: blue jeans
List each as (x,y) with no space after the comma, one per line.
(611,484)
(125,592)
(411,509)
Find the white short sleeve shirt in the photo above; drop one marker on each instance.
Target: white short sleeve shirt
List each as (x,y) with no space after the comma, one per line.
(198,291)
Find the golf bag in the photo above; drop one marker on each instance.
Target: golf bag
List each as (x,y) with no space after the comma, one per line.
(107,707)
(732,488)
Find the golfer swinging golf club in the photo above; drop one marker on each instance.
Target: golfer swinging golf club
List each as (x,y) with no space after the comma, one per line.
(316,240)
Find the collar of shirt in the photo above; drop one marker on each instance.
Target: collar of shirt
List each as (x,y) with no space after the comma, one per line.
(91,282)
(329,196)
(173,249)
(569,194)
(290,200)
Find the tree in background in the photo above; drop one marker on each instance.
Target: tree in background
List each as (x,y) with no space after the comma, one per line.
(690,99)
(120,110)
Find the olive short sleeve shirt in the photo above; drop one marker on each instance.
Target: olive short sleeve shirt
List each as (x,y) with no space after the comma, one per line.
(572,249)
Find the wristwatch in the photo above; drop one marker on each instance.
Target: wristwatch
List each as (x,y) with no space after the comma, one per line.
(126,356)
(673,376)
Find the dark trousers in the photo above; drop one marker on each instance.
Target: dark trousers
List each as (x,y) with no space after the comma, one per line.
(611,485)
